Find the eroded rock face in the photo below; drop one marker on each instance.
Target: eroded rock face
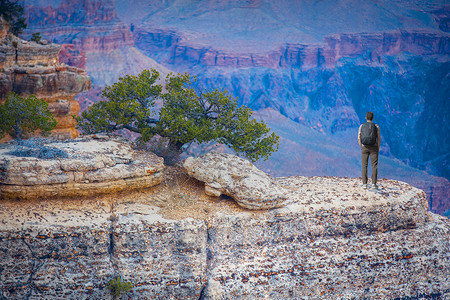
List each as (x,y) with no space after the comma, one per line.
(71,56)
(64,243)
(91,166)
(74,20)
(333,240)
(236,177)
(142,255)
(31,68)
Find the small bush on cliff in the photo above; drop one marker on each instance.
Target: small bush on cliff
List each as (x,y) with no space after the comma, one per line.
(36,37)
(19,116)
(119,287)
(12,13)
(186,115)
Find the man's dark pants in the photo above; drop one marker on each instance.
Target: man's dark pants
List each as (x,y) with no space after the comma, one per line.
(371,151)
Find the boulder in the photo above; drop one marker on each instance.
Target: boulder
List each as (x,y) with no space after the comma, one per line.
(236,177)
(80,167)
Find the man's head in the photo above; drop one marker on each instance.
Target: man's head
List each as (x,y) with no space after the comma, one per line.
(369,116)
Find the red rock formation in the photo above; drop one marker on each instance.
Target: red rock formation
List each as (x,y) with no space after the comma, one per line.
(30,68)
(101,30)
(389,43)
(354,44)
(94,29)
(71,56)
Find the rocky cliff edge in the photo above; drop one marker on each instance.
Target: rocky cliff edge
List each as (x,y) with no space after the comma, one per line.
(33,68)
(329,239)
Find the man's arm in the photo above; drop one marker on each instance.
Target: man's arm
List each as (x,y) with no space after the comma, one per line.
(379,137)
(359,136)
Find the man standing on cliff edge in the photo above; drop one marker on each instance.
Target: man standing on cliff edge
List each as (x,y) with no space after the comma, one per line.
(369,141)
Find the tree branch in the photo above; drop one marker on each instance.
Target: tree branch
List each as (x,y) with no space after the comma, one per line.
(152,121)
(131,128)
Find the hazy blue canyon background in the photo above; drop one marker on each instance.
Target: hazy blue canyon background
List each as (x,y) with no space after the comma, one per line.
(310,69)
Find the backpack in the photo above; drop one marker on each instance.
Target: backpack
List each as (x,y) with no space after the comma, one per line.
(368,134)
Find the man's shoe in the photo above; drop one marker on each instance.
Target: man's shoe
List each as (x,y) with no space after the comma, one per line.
(375,186)
(364,186)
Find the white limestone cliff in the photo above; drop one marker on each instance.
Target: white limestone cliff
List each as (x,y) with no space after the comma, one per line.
(330,239)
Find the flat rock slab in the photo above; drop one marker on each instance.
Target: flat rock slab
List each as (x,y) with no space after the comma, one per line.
(89,166)
(233,176)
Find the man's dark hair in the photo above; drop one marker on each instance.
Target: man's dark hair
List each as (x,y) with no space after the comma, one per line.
(369,116)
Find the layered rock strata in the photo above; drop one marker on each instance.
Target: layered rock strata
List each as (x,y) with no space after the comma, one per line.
(72,56)
(90,25)
(333,240)
(90,166)
(31,68)
(45,244)
(305,56)
(96,38)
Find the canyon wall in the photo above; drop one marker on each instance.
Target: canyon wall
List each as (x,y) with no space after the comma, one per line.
(92,36)
(331,240)
(110,33)
(305,56)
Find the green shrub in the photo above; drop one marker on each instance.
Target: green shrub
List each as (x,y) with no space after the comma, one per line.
(36,37)
(19,116)
(186,115)
(119,287)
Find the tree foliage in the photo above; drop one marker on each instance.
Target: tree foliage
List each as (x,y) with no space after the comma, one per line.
(21,116)
(186,115)
(36,37)
(119,287)
(12,13)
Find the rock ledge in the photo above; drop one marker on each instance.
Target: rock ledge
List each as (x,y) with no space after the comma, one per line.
(93,165)
(330,240)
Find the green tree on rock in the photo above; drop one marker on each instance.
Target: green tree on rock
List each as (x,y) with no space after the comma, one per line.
(186,115)
(12,13)
(36,37)
(20,117)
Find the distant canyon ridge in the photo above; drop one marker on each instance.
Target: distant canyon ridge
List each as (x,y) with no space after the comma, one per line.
(310,70)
